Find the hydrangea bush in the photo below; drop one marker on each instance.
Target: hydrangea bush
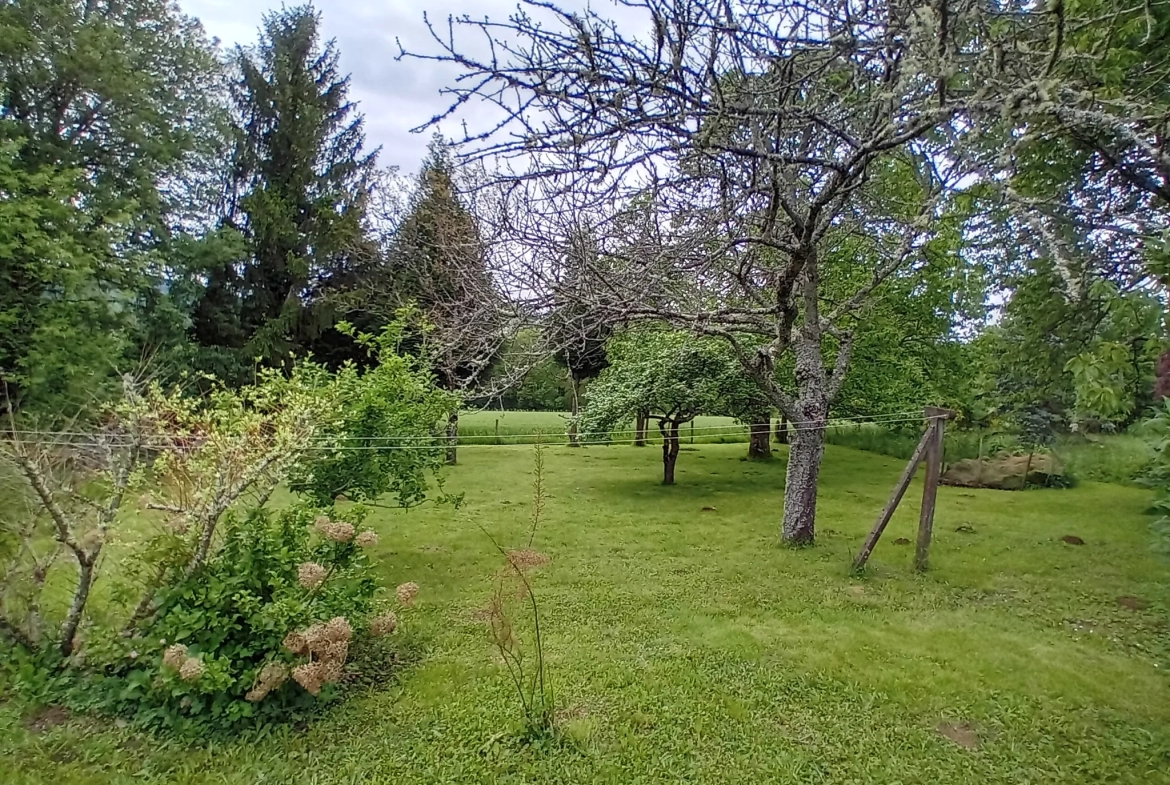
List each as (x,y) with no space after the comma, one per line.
(262,632)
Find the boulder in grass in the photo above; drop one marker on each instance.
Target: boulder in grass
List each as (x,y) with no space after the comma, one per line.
(1006,472)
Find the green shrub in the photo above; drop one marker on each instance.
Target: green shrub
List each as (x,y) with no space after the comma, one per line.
(381,440)
(218,591)
(221,650)
(1157,473)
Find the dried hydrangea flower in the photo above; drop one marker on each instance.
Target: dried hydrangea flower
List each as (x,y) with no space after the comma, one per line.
(332,671)
(406,593)
(295,642)
(311,575)
(192,669)
(270,677)
(308,676)
(341,532)
(175,656)
(338,629)
(315,637)
(384,624)
(338,531)
(332,661)
(367,539)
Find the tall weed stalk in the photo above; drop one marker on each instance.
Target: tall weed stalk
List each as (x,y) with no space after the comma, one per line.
(524,660)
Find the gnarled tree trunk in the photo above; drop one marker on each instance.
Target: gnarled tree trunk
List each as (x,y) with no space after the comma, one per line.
(452,437)
(575,388)
(760,439)
(816,387)
(800,489)
(669,429)
(782,430)
(640,429)
(77,607)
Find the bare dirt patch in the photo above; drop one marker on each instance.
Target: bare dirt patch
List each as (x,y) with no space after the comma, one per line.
(1133,603)
(961,733)
(46,718)
(1072,539)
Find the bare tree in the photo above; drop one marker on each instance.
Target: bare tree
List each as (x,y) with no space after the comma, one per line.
(740,138)
(752,138)
(80,523)
(578,331)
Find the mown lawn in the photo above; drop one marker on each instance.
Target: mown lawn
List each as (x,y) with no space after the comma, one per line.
(515,427)
(688,646)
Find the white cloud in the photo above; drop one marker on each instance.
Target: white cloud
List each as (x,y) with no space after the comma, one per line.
(394,95)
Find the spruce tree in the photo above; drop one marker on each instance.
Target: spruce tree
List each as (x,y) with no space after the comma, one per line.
(437,263)
(298,193)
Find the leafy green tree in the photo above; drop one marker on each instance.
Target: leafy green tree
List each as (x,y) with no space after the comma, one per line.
(1113,378)
(1089,361)
(109,126)
(908,347)
(298,194)
(670,376)
(48,277)
(542,385)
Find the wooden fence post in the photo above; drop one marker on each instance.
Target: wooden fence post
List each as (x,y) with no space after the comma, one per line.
(934,457)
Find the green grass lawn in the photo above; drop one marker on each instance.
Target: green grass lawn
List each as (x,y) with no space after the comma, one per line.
(1119,458)
(688,646)
(510,427)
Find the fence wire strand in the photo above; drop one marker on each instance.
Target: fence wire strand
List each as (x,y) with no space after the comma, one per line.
(439,441)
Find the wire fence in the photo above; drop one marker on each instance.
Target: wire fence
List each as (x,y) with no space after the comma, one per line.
(687,432)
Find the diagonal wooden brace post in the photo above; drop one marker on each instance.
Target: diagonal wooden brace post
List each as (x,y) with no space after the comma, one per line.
(935,419)
(895,498)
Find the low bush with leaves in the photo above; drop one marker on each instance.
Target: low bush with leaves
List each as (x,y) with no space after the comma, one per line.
(1157,473)
(260,630)
(229,613)
(378,442)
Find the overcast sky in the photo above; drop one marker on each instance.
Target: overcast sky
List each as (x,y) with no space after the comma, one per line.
(394,96)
